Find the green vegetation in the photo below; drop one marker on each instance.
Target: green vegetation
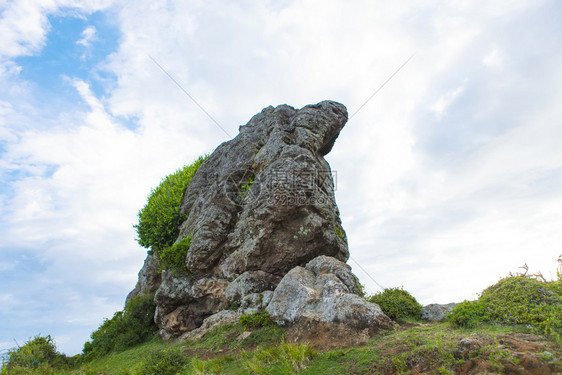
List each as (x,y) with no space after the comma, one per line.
(159,219)
(397,304)
(467,314)
(338,230)
(523,300)
(246,187)
(255,320)
(38,355)
(167,361)
(173,257)
(132,326)
(281,359)
(435,348)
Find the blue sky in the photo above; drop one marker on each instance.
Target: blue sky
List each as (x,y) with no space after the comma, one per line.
(448,179)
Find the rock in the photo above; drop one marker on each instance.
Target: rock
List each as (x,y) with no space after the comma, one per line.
(250,282)
(326,336)
(314,294)
(436,312)
(244,335)
(183,303)
(149,278)
(260,205)
(221,318)
(255,301)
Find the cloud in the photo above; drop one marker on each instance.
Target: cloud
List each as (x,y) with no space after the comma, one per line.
(88,35)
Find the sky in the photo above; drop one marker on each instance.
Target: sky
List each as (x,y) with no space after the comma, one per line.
(448,178)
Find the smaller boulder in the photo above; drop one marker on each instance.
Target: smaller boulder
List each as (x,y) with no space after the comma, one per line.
(436,312)
(324,291)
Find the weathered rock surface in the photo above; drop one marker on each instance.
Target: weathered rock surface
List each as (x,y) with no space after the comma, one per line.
(260,205)
(265,200)
(250,282)
(324,291)
(436,312)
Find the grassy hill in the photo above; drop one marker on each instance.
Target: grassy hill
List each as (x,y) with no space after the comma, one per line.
(413,347)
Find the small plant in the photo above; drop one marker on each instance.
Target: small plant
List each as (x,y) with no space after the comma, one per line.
(164,362)
(173,257)
(467,314)
(256,320)
(397,303)
(247,186)
(338,230)
(360,288)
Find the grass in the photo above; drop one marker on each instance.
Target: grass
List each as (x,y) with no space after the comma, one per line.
(414,347)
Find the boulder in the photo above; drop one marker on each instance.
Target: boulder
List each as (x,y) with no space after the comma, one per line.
(324,291)
(260,205)
(436,312)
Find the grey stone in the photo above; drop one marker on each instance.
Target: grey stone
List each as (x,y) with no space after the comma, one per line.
(221,318)
(436,312)
(183,303)
(250,282)
(260,205)
(314,294)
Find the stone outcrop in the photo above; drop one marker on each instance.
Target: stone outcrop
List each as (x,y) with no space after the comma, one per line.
(436,312)
(149,278)
(258,210)
(326,291)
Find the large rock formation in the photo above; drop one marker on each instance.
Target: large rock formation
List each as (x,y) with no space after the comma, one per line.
(259,206)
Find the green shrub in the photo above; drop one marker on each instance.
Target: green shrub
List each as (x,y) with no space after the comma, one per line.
(525,300)
(164,362)
(255,320)
(397,303)
(130,327)
(160,218)
(467,314)
(173,257)
(519,300)
(38,355)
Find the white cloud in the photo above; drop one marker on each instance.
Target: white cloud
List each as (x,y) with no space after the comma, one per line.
(88,36)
